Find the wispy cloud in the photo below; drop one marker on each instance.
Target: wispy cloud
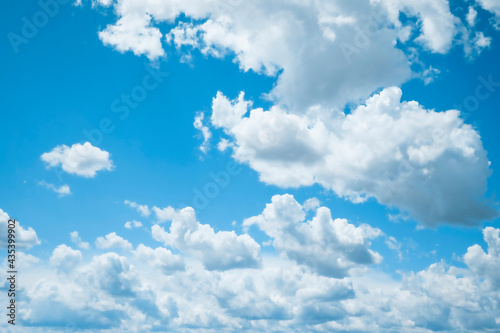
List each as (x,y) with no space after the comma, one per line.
(62,191)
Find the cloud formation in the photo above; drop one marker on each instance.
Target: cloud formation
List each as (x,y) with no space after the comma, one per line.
(217,250)
(76,239)
(25,238)
(81,160)
(141,209)
(329,247)
(123,293)
(63,190)
(426,163)
(112,240)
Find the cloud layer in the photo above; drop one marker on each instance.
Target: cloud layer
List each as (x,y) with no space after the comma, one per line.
(148,290)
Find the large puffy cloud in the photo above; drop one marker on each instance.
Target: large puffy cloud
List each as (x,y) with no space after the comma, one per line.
(24,238)
(218,251)
(317,48)
(329,247)
(427,163)
(105,293)
(82,160)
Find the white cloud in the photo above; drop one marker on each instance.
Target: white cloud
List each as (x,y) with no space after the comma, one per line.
(160,258)
(133,224)
(82,160)
(480,41)
(286,36)
(223,145)
(438,25)
(75,238)
(112,240)
(24,238)
(218,251)
(165,214)
(110,292)
(65,259)
(134,33)
(471,16)
(427,163)
(393,244)
(27,260)
(205,131)
(311,204)
(483,264)
(111,273)
(63,190)
(494,7)
(105,293)
(142,209)
(328,247)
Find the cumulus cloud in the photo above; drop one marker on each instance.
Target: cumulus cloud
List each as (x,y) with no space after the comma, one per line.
(25,238)
(142,209)
(134,33)
(75,238)
(315,49)
(217,250)
(111,273)
(105,293)
(329,247)
(483,264)
(427,163)
(82,160)
(283,39)
(63,190)
(160,258)
(112,240)
(65,259)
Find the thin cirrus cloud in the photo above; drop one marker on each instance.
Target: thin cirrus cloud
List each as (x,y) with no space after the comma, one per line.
(82,160)
(105,290)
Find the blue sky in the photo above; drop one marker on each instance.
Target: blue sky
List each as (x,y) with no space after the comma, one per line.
(344,128)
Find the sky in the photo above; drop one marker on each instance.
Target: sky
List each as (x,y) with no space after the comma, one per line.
(257,166)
